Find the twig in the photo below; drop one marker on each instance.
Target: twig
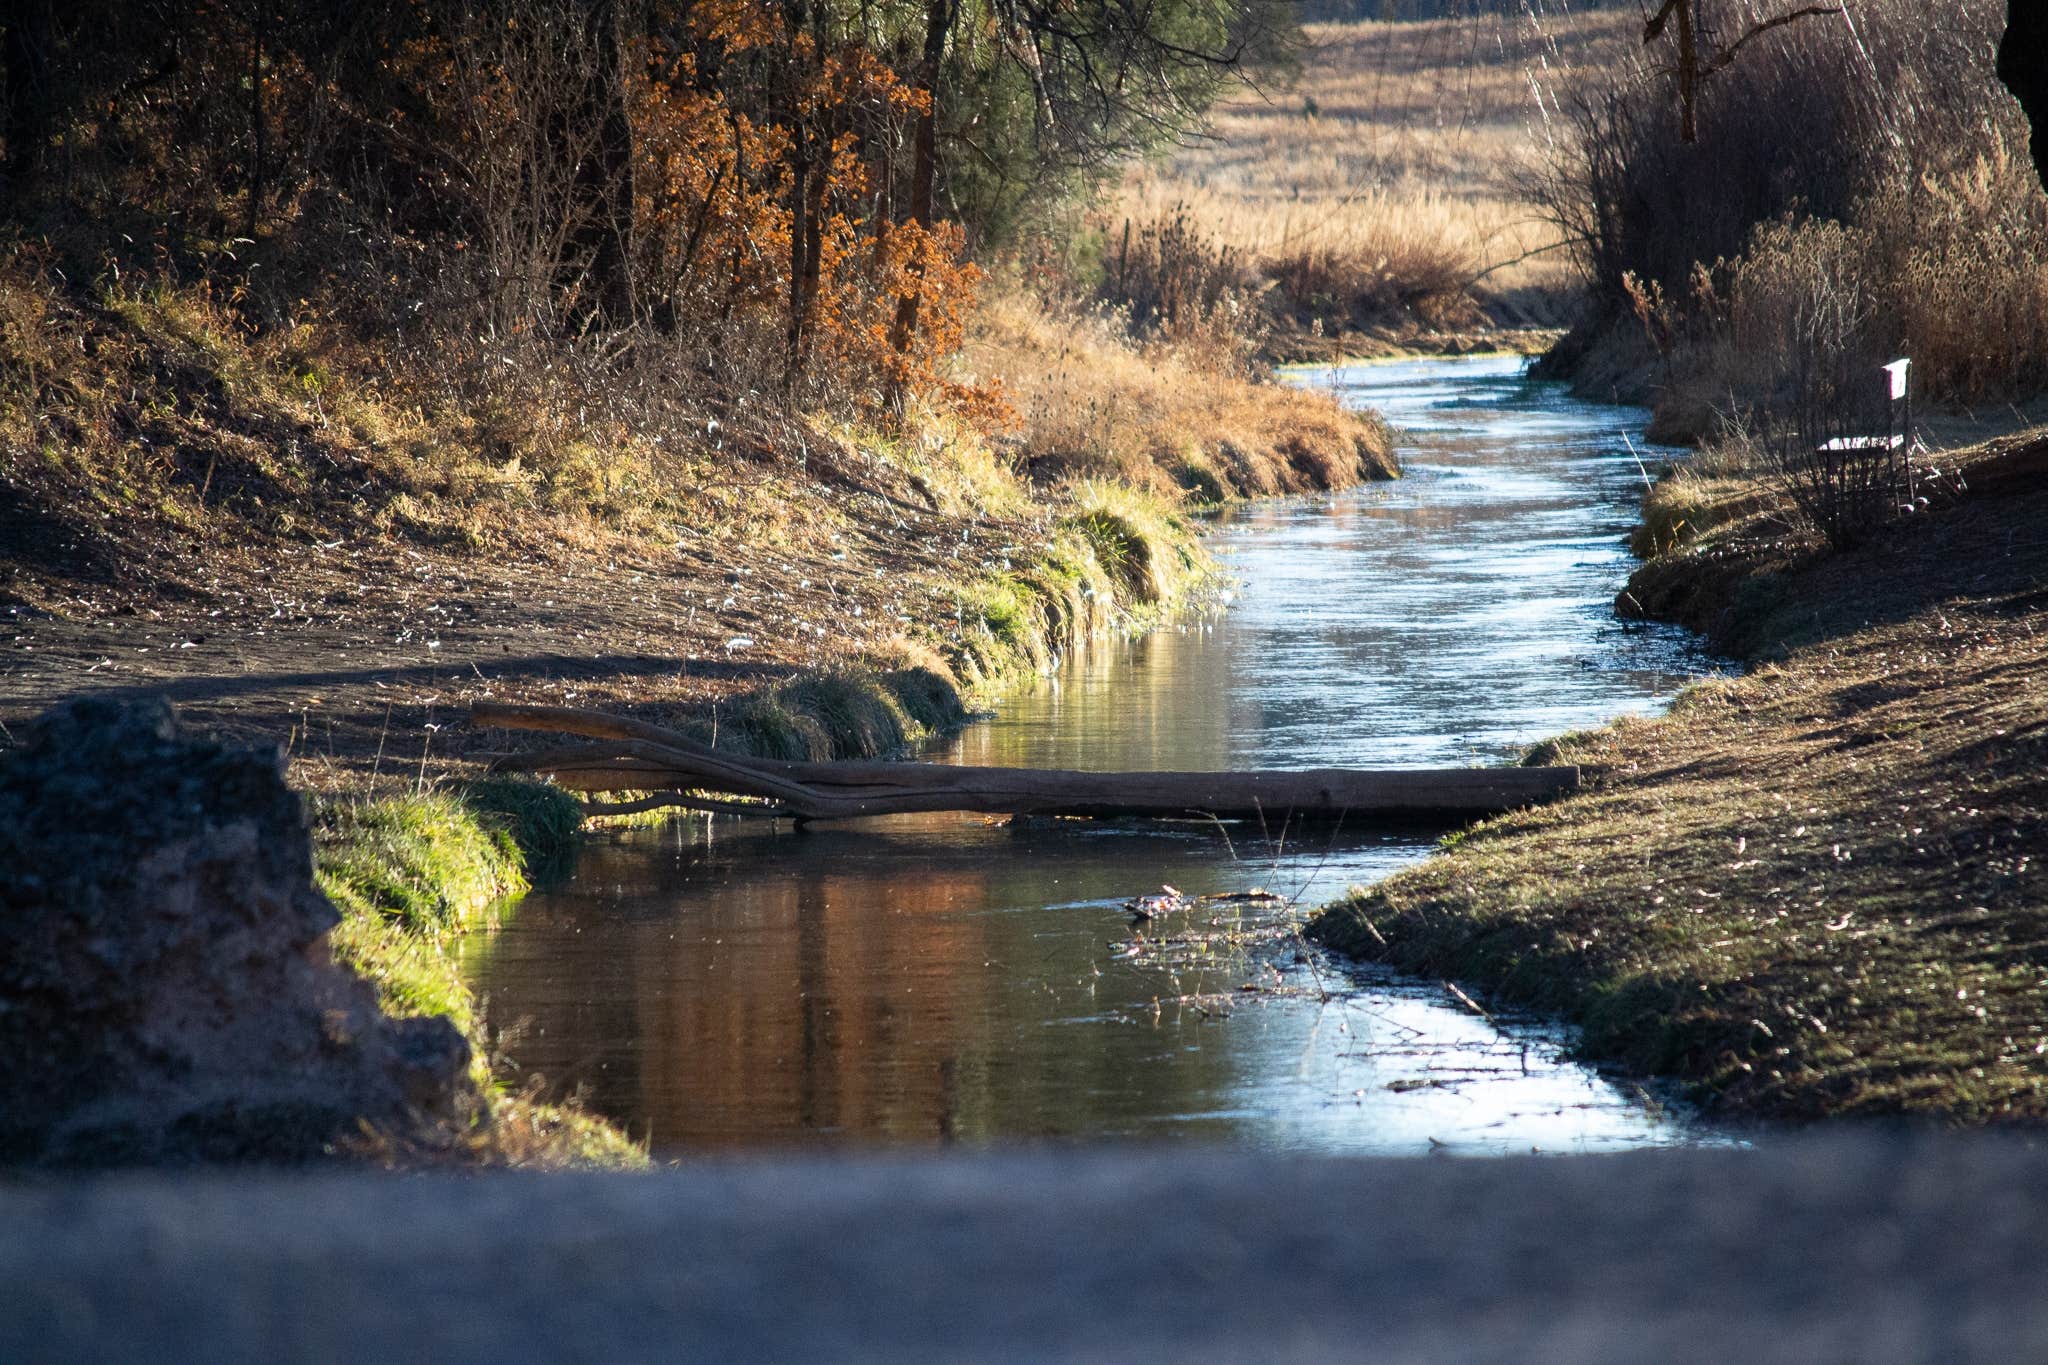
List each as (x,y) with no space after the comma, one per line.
(1469,1003)
(381,736)
(1647,482)
(1727,54)
(1517,260)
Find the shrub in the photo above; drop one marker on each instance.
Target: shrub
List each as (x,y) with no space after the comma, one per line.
(1901,171)
(1172,281)
(1811,117)
(1957,261)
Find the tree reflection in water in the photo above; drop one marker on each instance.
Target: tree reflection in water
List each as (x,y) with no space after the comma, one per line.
(926,979)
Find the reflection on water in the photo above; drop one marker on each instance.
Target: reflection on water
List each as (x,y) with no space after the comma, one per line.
(929,979)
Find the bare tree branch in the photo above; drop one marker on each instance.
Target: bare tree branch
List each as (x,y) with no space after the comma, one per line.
(1727,54)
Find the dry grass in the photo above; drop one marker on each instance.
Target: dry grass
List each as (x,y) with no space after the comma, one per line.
(1946,268)
(1815,890)
(1858,189)
(1391,152)
(1094,404)
(145,400)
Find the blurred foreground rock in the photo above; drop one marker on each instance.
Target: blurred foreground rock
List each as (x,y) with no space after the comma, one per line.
(1864,1246)
(166,990)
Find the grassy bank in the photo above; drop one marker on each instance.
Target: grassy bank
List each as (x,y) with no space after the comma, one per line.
(1815,890)
(185,500)
(410,872)
(1185,412)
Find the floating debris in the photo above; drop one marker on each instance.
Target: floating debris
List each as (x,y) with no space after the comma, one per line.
(1167,901)
(1257,894)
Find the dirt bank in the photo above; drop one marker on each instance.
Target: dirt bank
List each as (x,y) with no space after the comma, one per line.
(358,652)
(298,543)
(1814,890)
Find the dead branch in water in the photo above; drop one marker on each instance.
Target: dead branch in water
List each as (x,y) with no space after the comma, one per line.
(629,755)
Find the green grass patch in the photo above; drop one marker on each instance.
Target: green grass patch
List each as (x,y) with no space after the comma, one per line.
(1147,548)
(409,872)
(826,715)
(544,822)
(427,861)
(1119,561)
(411,973)
(1001,632)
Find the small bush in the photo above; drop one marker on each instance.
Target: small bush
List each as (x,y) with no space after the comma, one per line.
(1900,185)
(1172,281)
(1169,275)
(1957,263)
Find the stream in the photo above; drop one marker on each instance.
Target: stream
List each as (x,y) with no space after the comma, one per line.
(915,980)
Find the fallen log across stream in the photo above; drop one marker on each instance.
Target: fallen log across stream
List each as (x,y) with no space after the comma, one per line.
(620,754)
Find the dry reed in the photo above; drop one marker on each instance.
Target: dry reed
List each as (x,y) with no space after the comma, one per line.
(1385,162)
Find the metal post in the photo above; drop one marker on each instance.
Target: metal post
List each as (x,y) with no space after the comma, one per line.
(1899,410)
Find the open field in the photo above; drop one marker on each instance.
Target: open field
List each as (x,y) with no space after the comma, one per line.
(1396,148)
(1814,890)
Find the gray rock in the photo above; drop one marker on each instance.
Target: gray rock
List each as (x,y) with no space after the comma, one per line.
(166,990)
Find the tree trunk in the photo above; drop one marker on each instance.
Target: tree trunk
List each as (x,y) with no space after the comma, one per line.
(799,250)
(2023,66)
(924,166)
(25,73)
(1688,75)
(800,225)
(634,756)
(258,143)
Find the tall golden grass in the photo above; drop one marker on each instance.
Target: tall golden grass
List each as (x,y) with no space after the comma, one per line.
(1857,189)
(1164,415)
(1395,149)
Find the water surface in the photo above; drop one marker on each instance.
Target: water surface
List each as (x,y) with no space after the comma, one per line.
(931,979)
